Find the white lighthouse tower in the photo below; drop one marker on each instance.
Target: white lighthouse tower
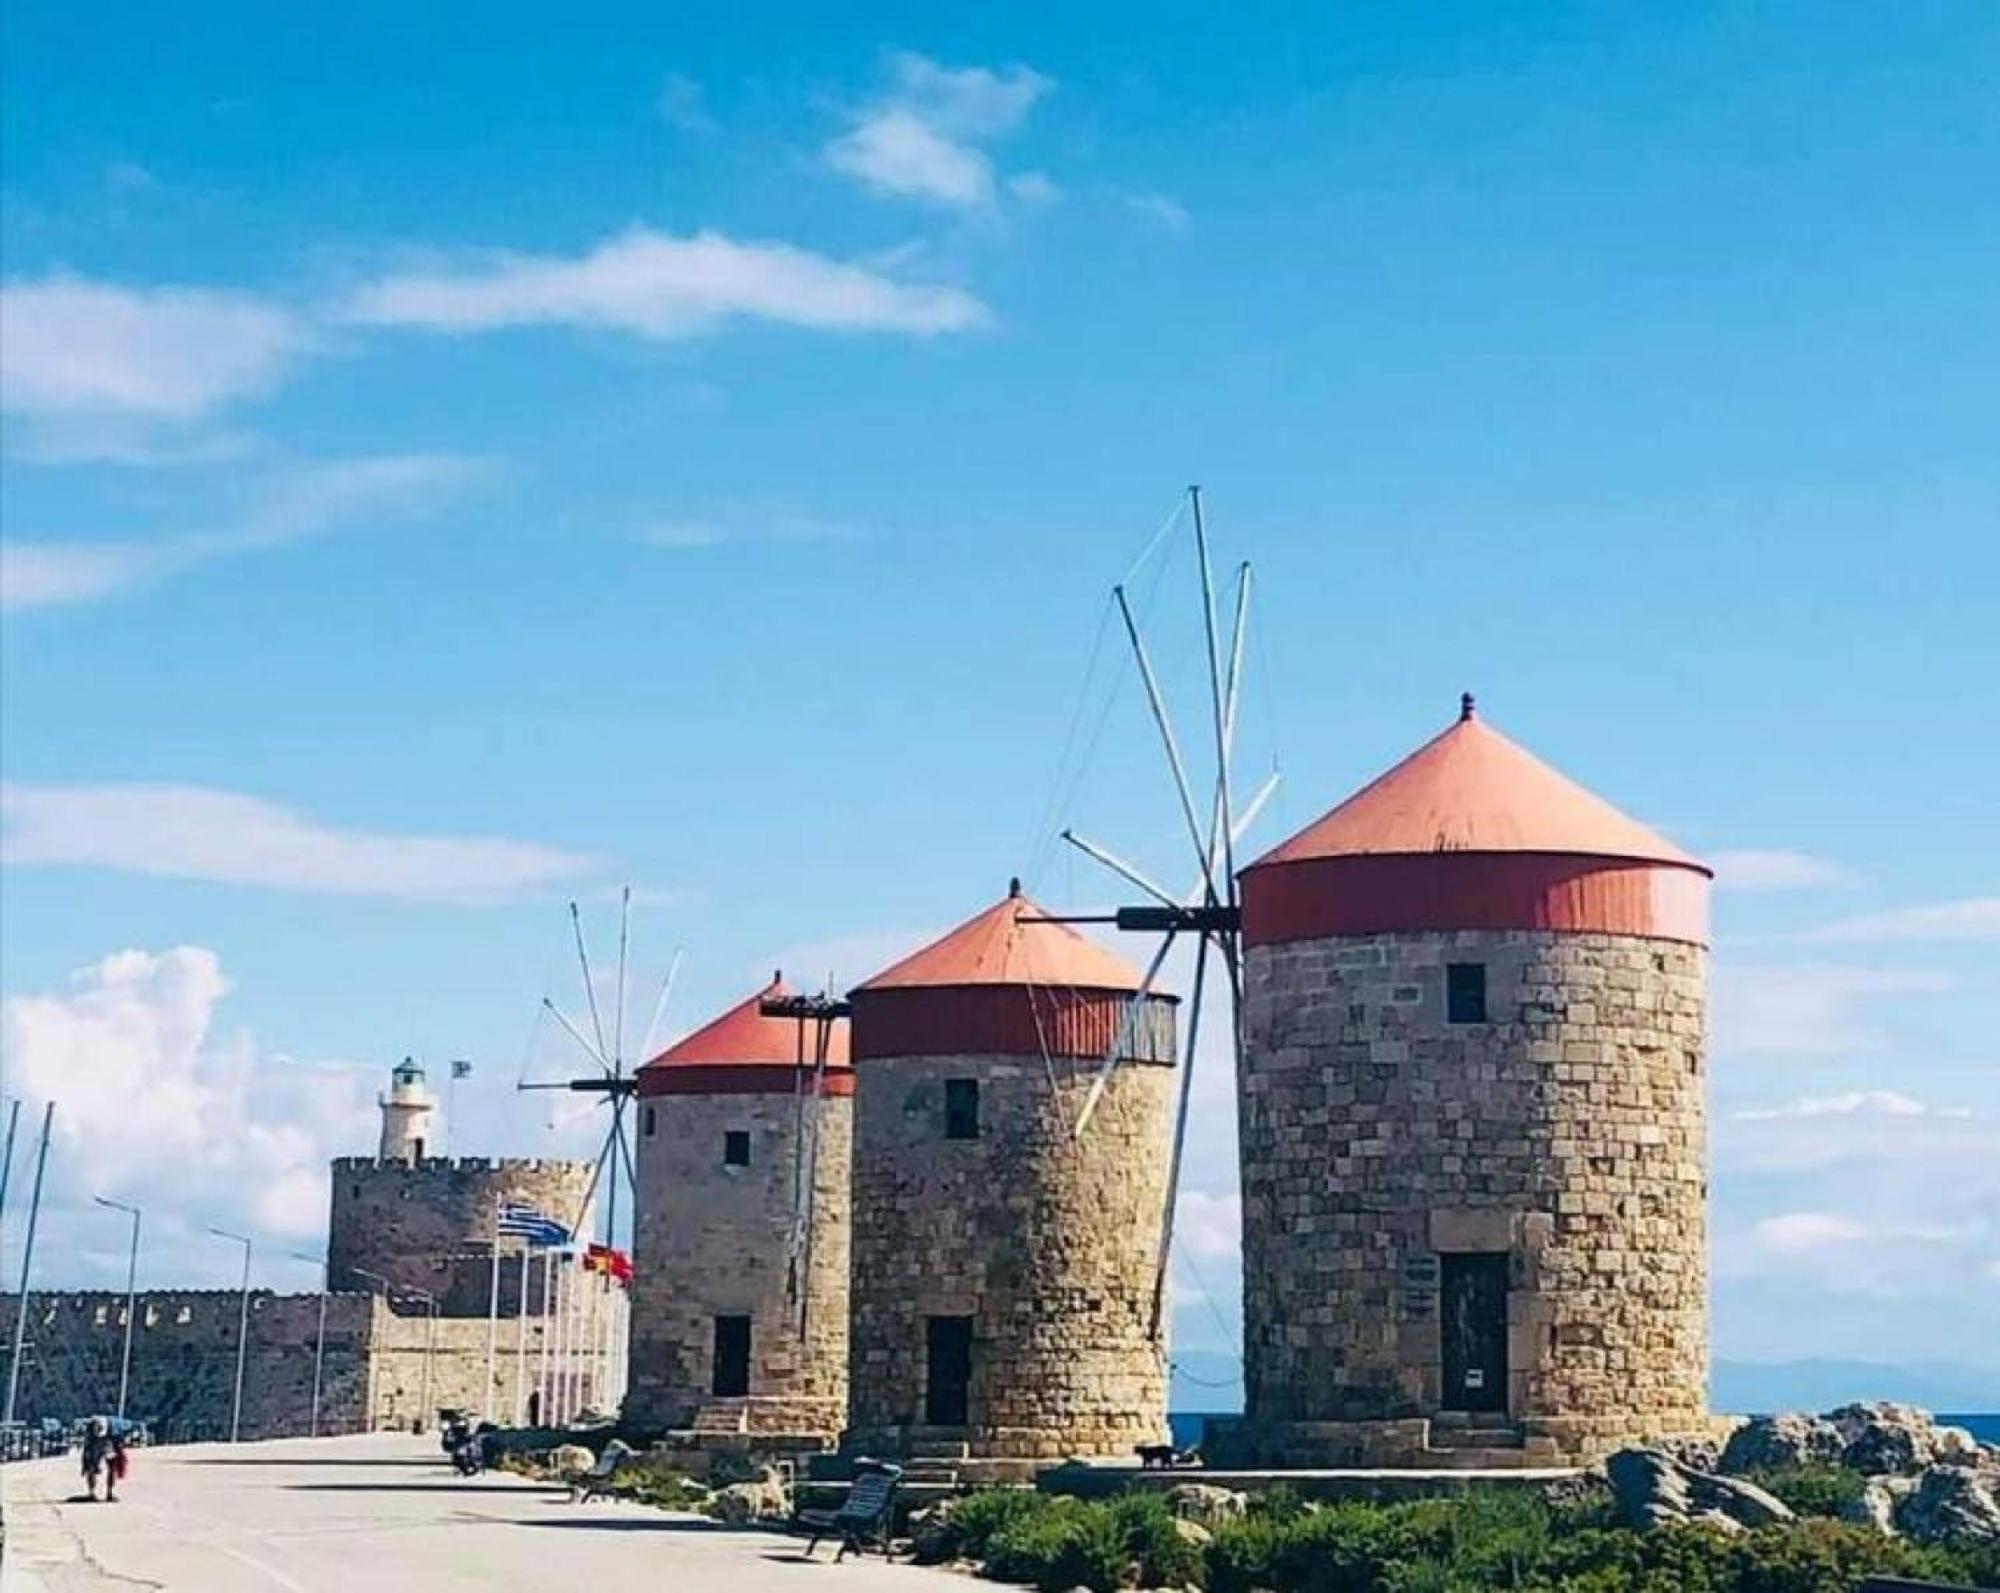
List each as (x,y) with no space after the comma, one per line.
(406,1114)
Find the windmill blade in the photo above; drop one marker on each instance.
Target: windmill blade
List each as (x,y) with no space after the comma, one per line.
(1157,703)
(618,1017)
(660,1006)
(1123,1039)
(576,1034)
(1180,1136)
(1244,820)
(1120,867)
(589,986)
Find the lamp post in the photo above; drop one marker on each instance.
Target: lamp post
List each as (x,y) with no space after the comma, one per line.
(430,1342)
(131,1297)
(242,1332)
(319,1338)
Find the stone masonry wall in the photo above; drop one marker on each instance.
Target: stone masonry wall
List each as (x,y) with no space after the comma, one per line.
(1048,1243)
(713,1240)
(1568,1132)
(402,1220)
(183,1375)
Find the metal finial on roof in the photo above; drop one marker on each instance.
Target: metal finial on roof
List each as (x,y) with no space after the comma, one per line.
(1014,887)
(777,976)
(1464,706)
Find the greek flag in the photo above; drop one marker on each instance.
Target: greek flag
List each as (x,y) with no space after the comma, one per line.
(525,1222)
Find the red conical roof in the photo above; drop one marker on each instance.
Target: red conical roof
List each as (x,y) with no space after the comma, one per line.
(1008,944)
(1472,790)
(744,1036)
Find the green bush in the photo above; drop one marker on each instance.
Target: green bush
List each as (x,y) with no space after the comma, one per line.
(1244,1554)
(1153,1542)
(979,1518)
(1059,1544)
(1812,1490)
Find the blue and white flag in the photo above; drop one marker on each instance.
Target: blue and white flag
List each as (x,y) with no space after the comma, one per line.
(525,1222)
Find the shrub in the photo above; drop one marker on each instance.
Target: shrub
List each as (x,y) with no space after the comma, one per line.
(1059,1544)
(1154,1542)
(974,1521)
(1244,1554)
(1812,1490)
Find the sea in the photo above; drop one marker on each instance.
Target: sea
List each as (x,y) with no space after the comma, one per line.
(1188,1425)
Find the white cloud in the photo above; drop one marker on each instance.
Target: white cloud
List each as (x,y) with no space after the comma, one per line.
(1806,1230)
(659,286)
(778,527)
(1975,919)
(71,346)
(1209,1227)
(1771,870)
(682,534)
(155,1108)
(1855,1103)
(305,504)
(1808,1010)
(1034,188)
(1170,213)
(196,832)
(922,140)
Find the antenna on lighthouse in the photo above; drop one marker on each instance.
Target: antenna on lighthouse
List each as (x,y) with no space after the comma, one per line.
(614,1080)
(1208,909)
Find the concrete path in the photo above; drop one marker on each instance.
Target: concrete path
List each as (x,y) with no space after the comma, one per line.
(380,1514)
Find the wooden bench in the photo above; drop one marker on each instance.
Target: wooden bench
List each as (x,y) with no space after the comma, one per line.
(864,1516)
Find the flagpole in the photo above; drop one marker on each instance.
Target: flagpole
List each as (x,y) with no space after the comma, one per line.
(521,1343)
(548,1286)
(559,1377)
(489,1400)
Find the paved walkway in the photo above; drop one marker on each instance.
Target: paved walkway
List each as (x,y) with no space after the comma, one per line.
(380,1514)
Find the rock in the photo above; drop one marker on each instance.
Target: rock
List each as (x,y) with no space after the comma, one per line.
(1949,1502)
(1192,1532)
(1715,1520)
(932,1540)
(1957,1447)
(1885,1437)
(1694,1450)
(1207,1504)
(1877,1505)
(567,1458)
(1785,1440)
(1655,1490)
(741,1503)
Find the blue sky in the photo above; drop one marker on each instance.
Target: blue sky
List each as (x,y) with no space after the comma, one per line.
(458,463)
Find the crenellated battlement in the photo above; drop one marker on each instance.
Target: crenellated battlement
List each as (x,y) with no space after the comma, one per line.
(456,1164)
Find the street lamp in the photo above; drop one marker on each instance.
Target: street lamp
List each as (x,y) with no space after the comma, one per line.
(242,1332)
(430,1343)
(319,1339)
(131,1297)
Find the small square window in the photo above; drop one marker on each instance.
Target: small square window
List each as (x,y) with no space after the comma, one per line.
(736,1148)
(648,1122)
(1465,992)
(961,1108)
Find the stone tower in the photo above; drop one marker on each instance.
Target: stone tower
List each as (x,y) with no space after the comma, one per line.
(1003,1268)
(427,1222)
(1472,1121)
(406,1114)
(739,1304)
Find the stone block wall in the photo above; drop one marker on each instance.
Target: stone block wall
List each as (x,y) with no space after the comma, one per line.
(1048,1243)
(183,1373)
(401,1219)
(1567,1132)
(713,1240)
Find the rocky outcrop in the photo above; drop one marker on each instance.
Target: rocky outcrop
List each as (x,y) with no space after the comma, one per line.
(1950,1503)
(1883,1437)
(1655,1490)
(1205,1504)
(1765,1442)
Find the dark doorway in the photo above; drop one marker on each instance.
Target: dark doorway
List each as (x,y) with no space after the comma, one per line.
(1473,1320)
(947,1370)
(731,1377)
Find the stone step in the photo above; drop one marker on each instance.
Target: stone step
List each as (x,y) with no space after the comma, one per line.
(1498,1437)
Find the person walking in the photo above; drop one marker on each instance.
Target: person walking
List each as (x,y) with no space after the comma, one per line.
(96,1451)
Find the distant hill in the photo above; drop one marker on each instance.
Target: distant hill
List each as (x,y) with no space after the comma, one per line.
(1211,1381)
(1740,1386)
